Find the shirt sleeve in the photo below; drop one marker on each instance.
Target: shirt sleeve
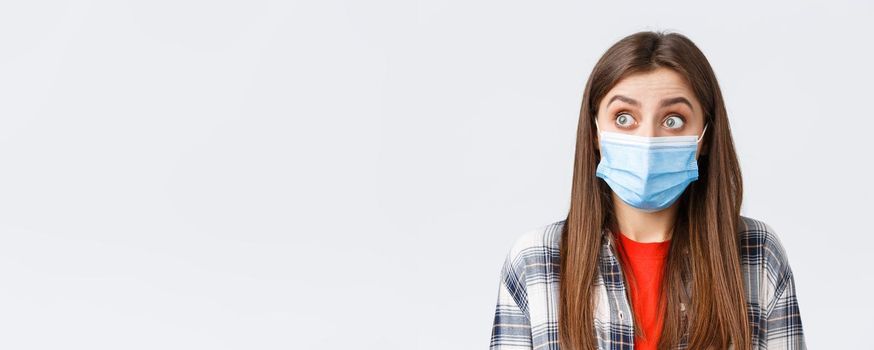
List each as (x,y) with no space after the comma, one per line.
(511,329)
(783,328)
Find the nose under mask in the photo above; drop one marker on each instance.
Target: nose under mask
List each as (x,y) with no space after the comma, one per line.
(648,173)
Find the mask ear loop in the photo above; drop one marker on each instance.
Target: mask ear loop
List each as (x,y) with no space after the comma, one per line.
(702,133)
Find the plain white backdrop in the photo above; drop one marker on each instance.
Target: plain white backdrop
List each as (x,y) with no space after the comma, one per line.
(350,174)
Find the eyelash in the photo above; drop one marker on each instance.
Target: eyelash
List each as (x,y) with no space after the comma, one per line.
(626,112)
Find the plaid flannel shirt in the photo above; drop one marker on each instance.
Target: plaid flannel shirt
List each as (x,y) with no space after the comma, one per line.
(527,306)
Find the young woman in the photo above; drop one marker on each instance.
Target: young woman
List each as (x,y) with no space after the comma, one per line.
(654,252)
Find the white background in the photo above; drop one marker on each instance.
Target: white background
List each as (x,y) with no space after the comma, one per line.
(350,174)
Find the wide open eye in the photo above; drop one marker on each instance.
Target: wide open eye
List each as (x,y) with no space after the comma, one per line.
(674,122)
(624,120)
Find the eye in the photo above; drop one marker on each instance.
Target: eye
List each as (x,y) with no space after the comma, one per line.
(624,120)
(674,122)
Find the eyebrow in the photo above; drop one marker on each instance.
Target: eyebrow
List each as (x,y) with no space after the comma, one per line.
(666,102)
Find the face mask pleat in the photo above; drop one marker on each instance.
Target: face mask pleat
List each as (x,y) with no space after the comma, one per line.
(648,173)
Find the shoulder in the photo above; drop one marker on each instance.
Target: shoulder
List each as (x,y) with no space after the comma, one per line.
(764,262)
(535,252)
(761,247)
(538,239)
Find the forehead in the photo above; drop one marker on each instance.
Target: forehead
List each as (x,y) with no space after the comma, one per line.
(652,86)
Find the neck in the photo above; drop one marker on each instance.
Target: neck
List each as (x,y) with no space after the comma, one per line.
(644,227)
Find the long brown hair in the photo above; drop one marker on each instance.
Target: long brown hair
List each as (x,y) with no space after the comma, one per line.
(704,248)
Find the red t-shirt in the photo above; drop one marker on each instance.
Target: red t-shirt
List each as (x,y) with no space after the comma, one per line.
(646,261)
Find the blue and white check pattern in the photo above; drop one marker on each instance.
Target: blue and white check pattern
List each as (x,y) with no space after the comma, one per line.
(526,315)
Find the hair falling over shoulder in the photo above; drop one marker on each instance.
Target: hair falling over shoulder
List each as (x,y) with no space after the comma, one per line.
(704,253)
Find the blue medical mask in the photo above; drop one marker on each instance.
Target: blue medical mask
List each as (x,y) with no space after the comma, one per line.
(648,173)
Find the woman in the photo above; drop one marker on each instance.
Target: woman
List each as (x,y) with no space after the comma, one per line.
(654,252)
